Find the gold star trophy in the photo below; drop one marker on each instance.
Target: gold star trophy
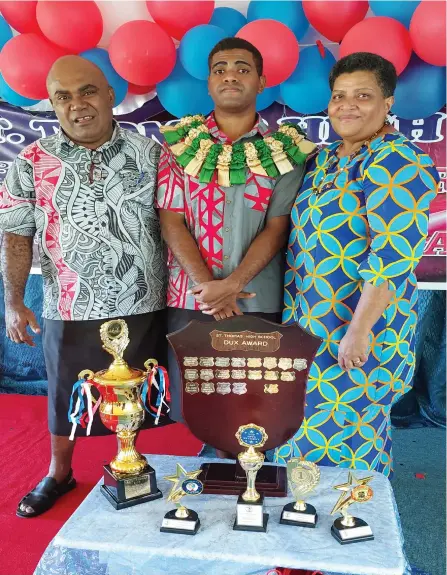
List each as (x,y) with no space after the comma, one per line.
(250,505)
(303,476)
(349,529)
(182,520)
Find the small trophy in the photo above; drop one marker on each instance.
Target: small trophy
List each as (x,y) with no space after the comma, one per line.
(303,476)
(250,505)
(182,520)
(349,529)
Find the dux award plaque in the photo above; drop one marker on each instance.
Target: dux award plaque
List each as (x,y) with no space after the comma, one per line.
(128,478)
(182,520)
(250,514)
(303,476)
(349,529)
(238,370)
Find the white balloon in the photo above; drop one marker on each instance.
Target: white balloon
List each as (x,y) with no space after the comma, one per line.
(115,13)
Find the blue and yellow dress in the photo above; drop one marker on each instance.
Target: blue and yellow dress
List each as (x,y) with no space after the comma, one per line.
(358,219)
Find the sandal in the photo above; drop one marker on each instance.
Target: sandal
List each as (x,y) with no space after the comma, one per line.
(45,495)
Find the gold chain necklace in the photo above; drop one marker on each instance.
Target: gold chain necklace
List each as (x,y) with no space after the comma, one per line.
(335,160)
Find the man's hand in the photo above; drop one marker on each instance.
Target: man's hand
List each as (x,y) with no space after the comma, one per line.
(214,292)
(353,349)
(228,307)
(17,319)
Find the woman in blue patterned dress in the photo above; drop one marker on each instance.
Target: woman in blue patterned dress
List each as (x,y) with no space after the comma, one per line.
(359,225)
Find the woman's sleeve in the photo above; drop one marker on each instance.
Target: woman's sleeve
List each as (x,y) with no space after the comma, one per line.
(398,184)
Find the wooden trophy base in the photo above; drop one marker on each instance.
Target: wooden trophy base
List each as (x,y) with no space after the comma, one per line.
(230,479)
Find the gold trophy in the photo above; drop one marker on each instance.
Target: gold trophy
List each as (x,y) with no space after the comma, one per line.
(303,476)
(182,520)
(250,514)
(128,478)
(349,529)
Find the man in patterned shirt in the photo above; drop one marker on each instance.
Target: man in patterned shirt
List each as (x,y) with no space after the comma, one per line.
(87,192)
(226,242)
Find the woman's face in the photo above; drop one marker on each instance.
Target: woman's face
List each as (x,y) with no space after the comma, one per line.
(357,107)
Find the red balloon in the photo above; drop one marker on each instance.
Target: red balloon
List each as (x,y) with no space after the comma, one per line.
(380,35)
(20,15)
(177,17)
(427,32)
(278,46)
(142,52)
(76,26)
(334,19)
(26,61)
(135,89)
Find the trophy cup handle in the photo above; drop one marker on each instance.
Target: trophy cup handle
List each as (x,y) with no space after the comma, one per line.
(86,374)
(150,364)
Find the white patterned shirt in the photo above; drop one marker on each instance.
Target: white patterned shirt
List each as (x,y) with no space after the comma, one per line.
(97,228)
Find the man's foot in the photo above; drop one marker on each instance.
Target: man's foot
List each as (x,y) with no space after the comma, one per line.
(44,496)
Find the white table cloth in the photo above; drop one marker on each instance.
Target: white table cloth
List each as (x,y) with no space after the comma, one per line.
(98,540)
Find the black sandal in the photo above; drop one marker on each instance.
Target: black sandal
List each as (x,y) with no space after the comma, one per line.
(45,494)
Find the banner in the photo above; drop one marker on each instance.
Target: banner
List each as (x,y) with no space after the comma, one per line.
(18,128)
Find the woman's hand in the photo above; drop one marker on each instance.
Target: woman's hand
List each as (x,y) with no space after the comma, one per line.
(353,349)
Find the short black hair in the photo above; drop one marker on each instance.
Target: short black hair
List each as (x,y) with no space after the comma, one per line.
(233,43)
(384,70)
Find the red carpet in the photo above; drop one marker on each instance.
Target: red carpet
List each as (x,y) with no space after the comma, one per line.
(24,458)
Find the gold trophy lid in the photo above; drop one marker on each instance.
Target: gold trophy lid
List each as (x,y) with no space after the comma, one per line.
(115,339)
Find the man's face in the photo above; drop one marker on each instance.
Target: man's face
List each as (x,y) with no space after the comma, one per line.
(83,103)
(234,82)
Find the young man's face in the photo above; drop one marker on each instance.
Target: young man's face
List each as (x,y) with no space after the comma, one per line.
(234,82)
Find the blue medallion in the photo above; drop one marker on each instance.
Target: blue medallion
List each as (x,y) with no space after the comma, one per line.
(252,436)
(192,487)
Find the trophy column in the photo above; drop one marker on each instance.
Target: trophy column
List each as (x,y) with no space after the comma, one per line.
(250,514)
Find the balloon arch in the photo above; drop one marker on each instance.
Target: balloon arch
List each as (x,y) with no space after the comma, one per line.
(161,47)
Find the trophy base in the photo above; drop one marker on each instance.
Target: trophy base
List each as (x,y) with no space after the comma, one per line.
(223,479)
(186,526)
(361,531)
(250,516)
(306,518)
(123,492)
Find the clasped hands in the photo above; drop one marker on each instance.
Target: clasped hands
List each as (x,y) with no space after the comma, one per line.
(219,297)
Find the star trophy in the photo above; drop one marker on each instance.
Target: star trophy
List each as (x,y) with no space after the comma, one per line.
(349,529)
(250,514)
(128,478)
(302,476)
(182,520)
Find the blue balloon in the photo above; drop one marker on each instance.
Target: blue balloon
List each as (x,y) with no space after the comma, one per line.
(182,94)
(307,90)
(420,90)
(290,13)
(12,97)
(401,10)
(266,99)
(229,19)
(195,47)
(5,32)
(101,58)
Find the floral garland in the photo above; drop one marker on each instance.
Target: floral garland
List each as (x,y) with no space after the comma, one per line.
(275,154)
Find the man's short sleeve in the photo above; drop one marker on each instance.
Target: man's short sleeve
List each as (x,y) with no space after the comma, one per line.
(18,199)
(285,192)
(171,186)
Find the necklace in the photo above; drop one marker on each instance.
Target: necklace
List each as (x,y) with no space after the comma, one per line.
(325,186)
(201,157)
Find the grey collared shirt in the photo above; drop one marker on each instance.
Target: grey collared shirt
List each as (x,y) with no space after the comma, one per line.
(225,221)
(97,228)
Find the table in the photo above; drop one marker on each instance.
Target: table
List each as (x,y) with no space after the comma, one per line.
(98,540)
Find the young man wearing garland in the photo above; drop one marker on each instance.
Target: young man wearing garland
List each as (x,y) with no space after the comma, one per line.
(226,187)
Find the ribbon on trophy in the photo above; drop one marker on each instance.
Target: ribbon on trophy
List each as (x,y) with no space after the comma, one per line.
(83,412)
(163,396)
